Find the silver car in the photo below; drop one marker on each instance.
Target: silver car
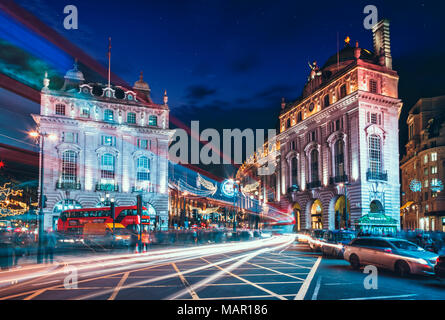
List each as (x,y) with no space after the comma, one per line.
(398,255)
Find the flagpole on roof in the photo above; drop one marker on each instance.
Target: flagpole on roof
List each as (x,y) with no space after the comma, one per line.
(109,62)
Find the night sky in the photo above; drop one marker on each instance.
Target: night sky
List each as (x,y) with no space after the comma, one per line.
(228,63)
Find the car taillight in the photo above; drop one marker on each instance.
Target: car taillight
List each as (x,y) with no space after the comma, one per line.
(388,250)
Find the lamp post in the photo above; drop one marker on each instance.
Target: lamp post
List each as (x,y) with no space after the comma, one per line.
(40,139)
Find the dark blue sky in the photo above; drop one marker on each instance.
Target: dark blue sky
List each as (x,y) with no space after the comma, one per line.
(228,63)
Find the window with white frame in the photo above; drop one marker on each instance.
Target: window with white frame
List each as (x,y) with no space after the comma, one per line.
(153,121)
(69,167)
(108,115)
(108,141)
(107,168)
(69,137)
(375,154)
(143,171)
(131,117)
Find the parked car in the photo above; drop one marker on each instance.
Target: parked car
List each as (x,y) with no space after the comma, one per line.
(395,254)
(334,242)
(439,268)
(315,239)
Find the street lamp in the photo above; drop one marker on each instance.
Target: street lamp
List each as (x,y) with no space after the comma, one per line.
(36,135)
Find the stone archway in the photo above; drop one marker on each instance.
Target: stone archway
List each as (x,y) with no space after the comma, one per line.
(296,210)
(316,215)
(342,213)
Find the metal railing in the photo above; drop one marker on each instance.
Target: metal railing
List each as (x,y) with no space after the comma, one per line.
(377,175)
(66,185)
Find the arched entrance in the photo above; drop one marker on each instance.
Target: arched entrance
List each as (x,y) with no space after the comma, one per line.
(317,215)
(342,213)
(376,207)
(296,209)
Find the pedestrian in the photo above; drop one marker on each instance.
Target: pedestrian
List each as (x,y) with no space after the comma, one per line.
(17,244)
(50,245)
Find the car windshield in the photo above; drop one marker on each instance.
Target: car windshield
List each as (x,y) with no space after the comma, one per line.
(346,236)
(405,245)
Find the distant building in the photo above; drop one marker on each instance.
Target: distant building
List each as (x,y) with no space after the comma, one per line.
(111,143)
(422,167)
(338,140)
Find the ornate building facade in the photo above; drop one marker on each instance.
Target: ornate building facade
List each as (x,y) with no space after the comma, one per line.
(422,167)
(101,143)
(336,152)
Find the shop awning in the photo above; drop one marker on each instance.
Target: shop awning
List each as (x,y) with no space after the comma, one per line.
(407,204)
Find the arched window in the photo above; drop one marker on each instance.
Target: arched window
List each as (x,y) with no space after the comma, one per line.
(339,158)
(326,100)
(108,115)
(107,169)
(69,167)
(314,165)
(143,169)
(375,154)
(294,171)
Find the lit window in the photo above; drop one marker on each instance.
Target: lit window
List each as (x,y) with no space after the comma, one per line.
(109,115)
(108,141)
(69,167)
(434,156)
(60,109)
(433,169)
(153,121)
(425,184)
(374,154)
(143,169)
(131,117)
(107,168)
(425,158)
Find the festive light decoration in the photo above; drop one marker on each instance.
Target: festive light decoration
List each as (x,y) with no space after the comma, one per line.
(8,205)
(249,188)
(184,186)
(206,211)
(415,185)
(228,188)
(200,181)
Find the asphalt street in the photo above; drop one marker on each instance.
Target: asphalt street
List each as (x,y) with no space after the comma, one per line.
(272,268)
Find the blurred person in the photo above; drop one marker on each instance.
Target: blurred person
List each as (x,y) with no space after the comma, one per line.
(49,242)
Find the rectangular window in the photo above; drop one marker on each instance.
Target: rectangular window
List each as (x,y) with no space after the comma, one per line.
(425,171)
(434,182)
(60,109)
(425,183)
(85,113)
(109,115)
(434,156)
(373,86)
(425,158)
(411,131)
(153,121)
(142,144)
(69,137)
(433,169)
(374,118)
(108,141)
(131,117)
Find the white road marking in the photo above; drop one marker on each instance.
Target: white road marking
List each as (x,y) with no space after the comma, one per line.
(186,283)
(304,288)
(317,288)
(119,286)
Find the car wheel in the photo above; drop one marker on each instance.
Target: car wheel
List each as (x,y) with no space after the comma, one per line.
(354,261)
(402,268)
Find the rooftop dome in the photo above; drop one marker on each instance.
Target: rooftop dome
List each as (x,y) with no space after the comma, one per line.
(74,73)
(347,54)
(141,84)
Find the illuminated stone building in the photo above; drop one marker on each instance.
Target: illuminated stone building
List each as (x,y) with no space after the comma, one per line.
(340,138)
(422,167)
(110,142)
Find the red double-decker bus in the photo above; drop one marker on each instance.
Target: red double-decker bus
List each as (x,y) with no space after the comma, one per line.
(73,221)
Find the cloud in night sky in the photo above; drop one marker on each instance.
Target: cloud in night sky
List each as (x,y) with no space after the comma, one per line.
(199,92)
